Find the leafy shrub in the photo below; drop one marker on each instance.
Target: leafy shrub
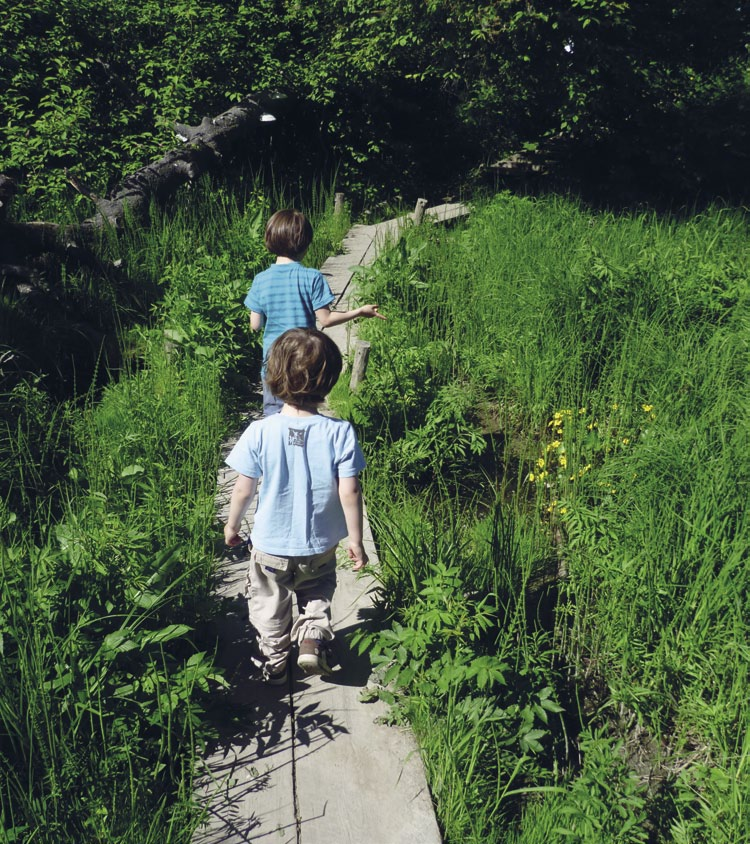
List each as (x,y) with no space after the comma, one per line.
(603,803)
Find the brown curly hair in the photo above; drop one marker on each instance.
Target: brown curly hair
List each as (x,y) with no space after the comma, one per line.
(303,366)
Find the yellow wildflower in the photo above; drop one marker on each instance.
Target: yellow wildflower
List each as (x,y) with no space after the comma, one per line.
(563,461)
(625,440)
(647,408)
(540,463)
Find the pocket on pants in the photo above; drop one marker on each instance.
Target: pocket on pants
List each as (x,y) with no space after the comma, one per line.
(269,562)
(320,563)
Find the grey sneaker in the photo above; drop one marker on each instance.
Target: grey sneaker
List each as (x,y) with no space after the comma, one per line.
(313,658)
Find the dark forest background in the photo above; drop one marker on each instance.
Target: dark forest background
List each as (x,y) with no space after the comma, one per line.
(622,101)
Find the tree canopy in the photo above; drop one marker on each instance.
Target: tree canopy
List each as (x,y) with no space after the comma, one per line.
(432,90)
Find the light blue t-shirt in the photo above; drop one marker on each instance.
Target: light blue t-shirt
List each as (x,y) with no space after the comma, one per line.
(300,460)
(287,296)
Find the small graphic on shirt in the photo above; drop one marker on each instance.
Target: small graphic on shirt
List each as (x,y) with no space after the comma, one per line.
(297,437)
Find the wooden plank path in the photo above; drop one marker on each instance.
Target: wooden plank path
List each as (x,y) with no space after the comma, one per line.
(361,247)
(312,763)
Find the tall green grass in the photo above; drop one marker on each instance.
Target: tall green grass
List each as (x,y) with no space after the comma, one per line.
(103,682)
(107,559)
(590,372)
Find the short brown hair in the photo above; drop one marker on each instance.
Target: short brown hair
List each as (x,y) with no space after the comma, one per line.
(288,234)
(303,366)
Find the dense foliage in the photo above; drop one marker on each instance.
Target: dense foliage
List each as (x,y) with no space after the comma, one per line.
(555,418)
(634,92)
(108,544)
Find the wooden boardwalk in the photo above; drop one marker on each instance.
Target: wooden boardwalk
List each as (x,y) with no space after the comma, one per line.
(312,763)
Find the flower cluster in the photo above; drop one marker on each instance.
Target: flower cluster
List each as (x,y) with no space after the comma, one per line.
(577,443)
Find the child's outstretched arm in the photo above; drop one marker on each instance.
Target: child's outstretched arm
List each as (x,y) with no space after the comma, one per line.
(327,317)
(242,495)
(350,495)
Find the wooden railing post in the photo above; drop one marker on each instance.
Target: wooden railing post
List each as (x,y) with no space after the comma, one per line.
(419,211)
(359,367)
(338,204)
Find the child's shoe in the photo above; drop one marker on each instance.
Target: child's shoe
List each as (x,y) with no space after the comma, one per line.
(276,678)
(313,658)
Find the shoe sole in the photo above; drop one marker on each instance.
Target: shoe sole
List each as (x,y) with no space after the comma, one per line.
(312,664)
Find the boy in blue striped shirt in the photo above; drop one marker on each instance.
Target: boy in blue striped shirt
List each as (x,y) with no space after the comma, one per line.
(290,295)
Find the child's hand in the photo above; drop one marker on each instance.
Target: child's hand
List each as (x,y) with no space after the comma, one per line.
(231,537)
(357,553)
(370,311)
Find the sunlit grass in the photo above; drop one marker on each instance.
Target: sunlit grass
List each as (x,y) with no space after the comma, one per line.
(604,361)
(107,560)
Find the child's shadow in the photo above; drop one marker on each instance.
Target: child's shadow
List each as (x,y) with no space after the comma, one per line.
(349,667)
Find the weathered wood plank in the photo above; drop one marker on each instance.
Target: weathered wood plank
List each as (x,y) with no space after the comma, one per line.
(247,782)
(449,211)
(362,781)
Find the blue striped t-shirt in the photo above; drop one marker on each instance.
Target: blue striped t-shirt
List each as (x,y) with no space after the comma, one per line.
(287,296)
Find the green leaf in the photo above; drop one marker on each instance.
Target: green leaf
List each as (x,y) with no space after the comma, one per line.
(166,634)
(132,470)
(120,641)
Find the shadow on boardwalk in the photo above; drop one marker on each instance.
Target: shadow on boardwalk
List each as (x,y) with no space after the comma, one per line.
(311,762)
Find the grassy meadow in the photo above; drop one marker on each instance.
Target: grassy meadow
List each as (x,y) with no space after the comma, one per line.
(555,419)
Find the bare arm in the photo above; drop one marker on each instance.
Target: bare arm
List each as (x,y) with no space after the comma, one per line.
(242,495)
(256,320)
(350,495)
(327,317)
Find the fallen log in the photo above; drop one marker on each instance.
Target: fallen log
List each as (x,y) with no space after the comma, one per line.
(206,148)
(8,188)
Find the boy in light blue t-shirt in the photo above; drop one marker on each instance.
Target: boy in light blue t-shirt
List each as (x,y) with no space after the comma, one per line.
(290,295)
(310,499)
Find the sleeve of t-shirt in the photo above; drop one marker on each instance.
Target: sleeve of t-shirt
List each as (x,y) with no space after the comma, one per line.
(349,461)
(244,457)
(320,292)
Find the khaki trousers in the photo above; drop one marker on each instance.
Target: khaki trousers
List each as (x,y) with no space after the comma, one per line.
(272,582)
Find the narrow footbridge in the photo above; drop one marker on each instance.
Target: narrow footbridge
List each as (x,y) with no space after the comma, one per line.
(313,762)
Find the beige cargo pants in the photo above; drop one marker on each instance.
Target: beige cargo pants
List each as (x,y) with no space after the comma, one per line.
(272,583)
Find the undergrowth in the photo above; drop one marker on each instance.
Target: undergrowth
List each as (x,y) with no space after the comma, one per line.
(555,420)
